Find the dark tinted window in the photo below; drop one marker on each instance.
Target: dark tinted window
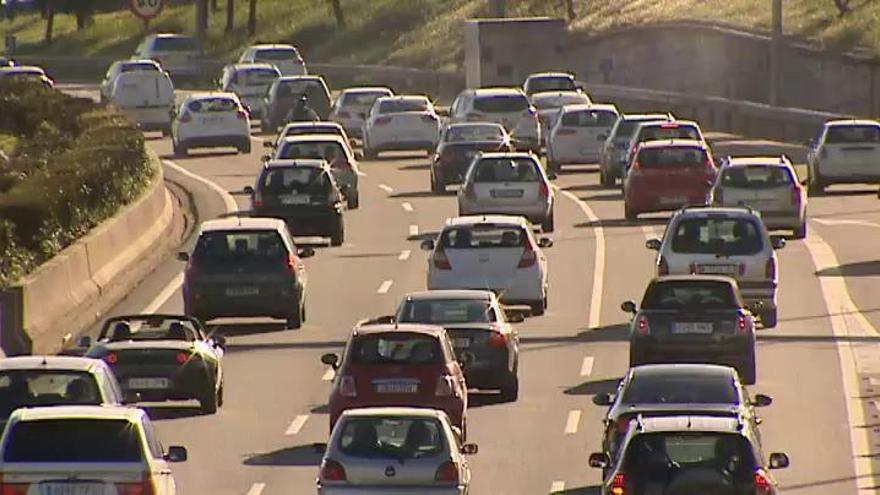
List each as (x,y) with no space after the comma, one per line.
(757,177)
(362,100)
(668,131)
(682,294)
(241,248)
(471,133)
(446,311)
(407,105)
(327,150)
(679,388)
(626,128)
(484,236)
(312,89)
(255,77)
(277,54)
(175,44)
(671,157)
(589,118)
(501,103)
(74,440)
(853,134)
(507,170)
(31,388)
(207,105)
(664,457)
(138,67)
(728,236)
(549,101)
(293,180)
(399,348)
(392,438)
(559,83)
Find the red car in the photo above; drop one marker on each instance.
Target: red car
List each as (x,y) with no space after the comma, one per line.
(407,365)
(666,175)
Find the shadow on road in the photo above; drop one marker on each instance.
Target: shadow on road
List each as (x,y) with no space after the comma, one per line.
(419,166)
(594,387)
(239,329)
(277,346)
(585,187)
(423,236)
(608,333)
(622,222)
(300,455)
(322,409)
(860,269)
(614,196)
(414,194)
(161,413)
(584,490)
(200,154)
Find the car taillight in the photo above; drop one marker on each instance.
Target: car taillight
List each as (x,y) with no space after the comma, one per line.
(346,386)
(444,386)
(447,473)
(741,325)
(183,357)
(529,257)
(566,132)
(543,190)
(111,358)
(770,268)
(143,487)
(497,340)
(343,114)
(258,199)
(796,195)
(762,484)
(635,168)
(13,488)
(440,260)
(241,114)
(618,484)
(718,196)
(332,471)
(185,117)
(663,267)
(642,326)
(709,165)
(383,120)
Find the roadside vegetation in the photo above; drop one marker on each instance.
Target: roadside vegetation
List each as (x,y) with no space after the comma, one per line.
(72,164)
(426,33)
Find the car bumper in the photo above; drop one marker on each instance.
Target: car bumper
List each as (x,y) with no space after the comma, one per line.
(758,295)
(314,223)
(490,374)
(208,304)
(391,490)
(782,220)
(233,141)
(647,201)
(530,143)
(184,383)
(729,352)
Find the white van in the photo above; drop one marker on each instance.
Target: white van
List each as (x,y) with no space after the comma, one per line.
(147,98)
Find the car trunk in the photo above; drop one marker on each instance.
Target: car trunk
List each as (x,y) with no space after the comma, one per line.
(362,471)
(396,384)
(408,124)
(851,159)
(692,325)
(490,268)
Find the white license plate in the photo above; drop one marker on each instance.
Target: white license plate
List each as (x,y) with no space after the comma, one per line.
(211,120)
(717,269)
(148,383)
(71,488)
(672,200)
(397,388)
(242,291)
(295,200)
(507,193)
(692,327)
(461,342)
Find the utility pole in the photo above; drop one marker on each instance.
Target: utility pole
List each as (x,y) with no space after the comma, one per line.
(252,17)
(776,47)
(201,20)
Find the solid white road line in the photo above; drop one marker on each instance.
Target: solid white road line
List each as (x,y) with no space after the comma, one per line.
(257,489)
(404,255)
(297,424)
(571,424)
(406,207)
(599,261)
(329,375)
(361,173)
(587,366)
(854,357)
(386,188)
(413,230)
(383,289)
(557,486)
(844,221)
(165,294)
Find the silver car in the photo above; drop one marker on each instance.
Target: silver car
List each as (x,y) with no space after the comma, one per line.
(395,451)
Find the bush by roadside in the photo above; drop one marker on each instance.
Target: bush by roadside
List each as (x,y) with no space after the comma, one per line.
(74,164)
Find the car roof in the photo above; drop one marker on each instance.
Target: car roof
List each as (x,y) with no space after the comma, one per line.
(420,412)
(23,68)
(508,154)
(674,143)
(742,161)
(536,75)
(646,116)
(366,89)
(70,363)
(297,162)
(311,77)
(429,330)
(132,61)
(681,423)
(335,138)
(851,122)
(402,97)
(559,93)
(474,124)
(131,414)
(676,369)
(488,219)
(487,92)
(695,278)
(305,125)
(670,122)
(171,35)
(260,46)
(717,210)
(574,107)
(252,65)
(430,295)
(243,223)
(211,94)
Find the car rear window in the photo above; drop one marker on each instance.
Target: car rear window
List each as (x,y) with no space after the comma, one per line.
(589,118)
(175,44)
(501,103)
(400,106)
(210,105)
(658,132)
(545,102)
(396,348)
(560,83)
(471,133)
(44,387)
(650,457)
(362,100)
(291,180)
(757,177)
(689,294)
(671,157)
(277,54)
(446,311)
(250,249)
(311,149)
(396,438)
(507,170)
(138,67)
(73,440)
(626,128)
(853,134)
(680,388)
(295,88)
(723,235)
(484,236)
(255,77)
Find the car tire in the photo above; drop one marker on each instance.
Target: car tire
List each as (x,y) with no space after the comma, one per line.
(815,185)
(538,308)
(636,355)
(209,399)
(220,395)
(245,149)
(801,231)
(606,179)
(549,223)
(769,318)
(629,214)
(437,185)
(747,368)
(179,149)
(510,390)
(338,235)
(353,200)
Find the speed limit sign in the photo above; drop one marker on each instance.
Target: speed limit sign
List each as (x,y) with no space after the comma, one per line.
(146,9)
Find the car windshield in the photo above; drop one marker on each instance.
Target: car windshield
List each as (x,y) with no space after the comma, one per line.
(556,100)
(398,438)
(484,236)
(138,67)
(46,387)
(361,99)
(257,250)
(396,348)
(501,103)
(680,388)
(671,157)
(446,311)
(329,150)
(723,235)
(301,130)
(689,294)
(277,54)
(150,329)
(472,133)
(589,118)
(666,457)
(662,132)
(212,105)
(73,440)
(295,180)
(175,44)
(403,105)
(842,134)
(552,83)
(507,170)
(757,177)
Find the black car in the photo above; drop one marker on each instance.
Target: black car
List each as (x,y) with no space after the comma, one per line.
(674,389)
(687,455)
(162,357)
(245,267)
(693,318)
(458,145)
(286,91)
(304,194)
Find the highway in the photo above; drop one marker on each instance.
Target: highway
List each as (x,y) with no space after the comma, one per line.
(817,364)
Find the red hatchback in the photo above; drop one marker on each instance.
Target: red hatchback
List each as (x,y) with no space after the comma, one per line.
(666,175)
(407,365)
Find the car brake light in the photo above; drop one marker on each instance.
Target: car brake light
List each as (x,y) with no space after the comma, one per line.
(185,117)
(383,120)
(718,196)
(636,167)
(241,114)
(343,114)
(642,326)
(143,487)
(183,357)
(543,189)
(111,358)
(529,257)
(291,264)
(623,425)
(13,488)
(497,340)
(741,325)
(447,473)
(618,484)
(444,386)
(663,267)
(347,387)
(332,471)
(770,268)
(796,195)
(441,261)
(258,199)
(762,484)
(566,132)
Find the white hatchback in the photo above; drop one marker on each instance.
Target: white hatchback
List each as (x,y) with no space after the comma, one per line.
(549,103)
(250,82)
(844,152)
(492,252)
(509,184)
(401,123)
(506,106)
(285,57)
(352,106)
(579,134)
(208,120)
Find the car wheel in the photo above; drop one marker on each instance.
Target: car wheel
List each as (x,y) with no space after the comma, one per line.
(815,186)
(209,399)
(549,223)
(510,390)
(220,395)
(768,318)
(629,214)
(801,231)
(538,308)
(747,369)
(245,149)
(352,201)
(338,236)
(636,355)
(606,179)
(179,149)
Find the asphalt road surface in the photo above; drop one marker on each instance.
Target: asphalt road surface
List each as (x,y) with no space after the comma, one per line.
(817,364)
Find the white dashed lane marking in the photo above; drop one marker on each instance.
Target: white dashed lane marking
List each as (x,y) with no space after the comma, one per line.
(383,289)
(587,366)
(408,207)
(571,424)
(557,487)
(257,489)
(404,255)
(296,425)
(413,230)
(386,188)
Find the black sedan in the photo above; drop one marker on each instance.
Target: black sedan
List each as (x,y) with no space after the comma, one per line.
(163,357)
(693,318)
(458,145)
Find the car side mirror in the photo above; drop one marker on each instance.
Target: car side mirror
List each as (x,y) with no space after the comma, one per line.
(599,460)
(653,244)
(761,400)
(183,256)
(358,156)
(84,341)
(130,397)
(469,449)
(628,307)
(248,190)
(515,317)
(306,252)
(778,460)
(545,242)
(777,241)
(603,399)
(176,454)
(331,360)
(219,341)
(268,143)
(427,245)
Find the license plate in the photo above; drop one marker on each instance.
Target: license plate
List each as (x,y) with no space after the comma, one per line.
(295,200)
(212,120)
(507,193)
(242,291)
(717,269)
(397,388)
(461,343)
(672,200)
(692,327)
(148,383)
(71,488)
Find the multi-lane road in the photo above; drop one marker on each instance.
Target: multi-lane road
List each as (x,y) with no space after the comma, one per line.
(816,364)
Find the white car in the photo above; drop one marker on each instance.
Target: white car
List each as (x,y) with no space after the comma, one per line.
(85,450)
(301,128)
(353,104)
(210,120)
(767,184)
(146,97)
(404,450)
(550,81)
(26,73)
(179,54)
(579,134)
(506,106)
(491,252)
(285,57)
(250,82)
(548,104)
(724,241)
(122,66)
(509,184)
(401,123)
(844,152)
